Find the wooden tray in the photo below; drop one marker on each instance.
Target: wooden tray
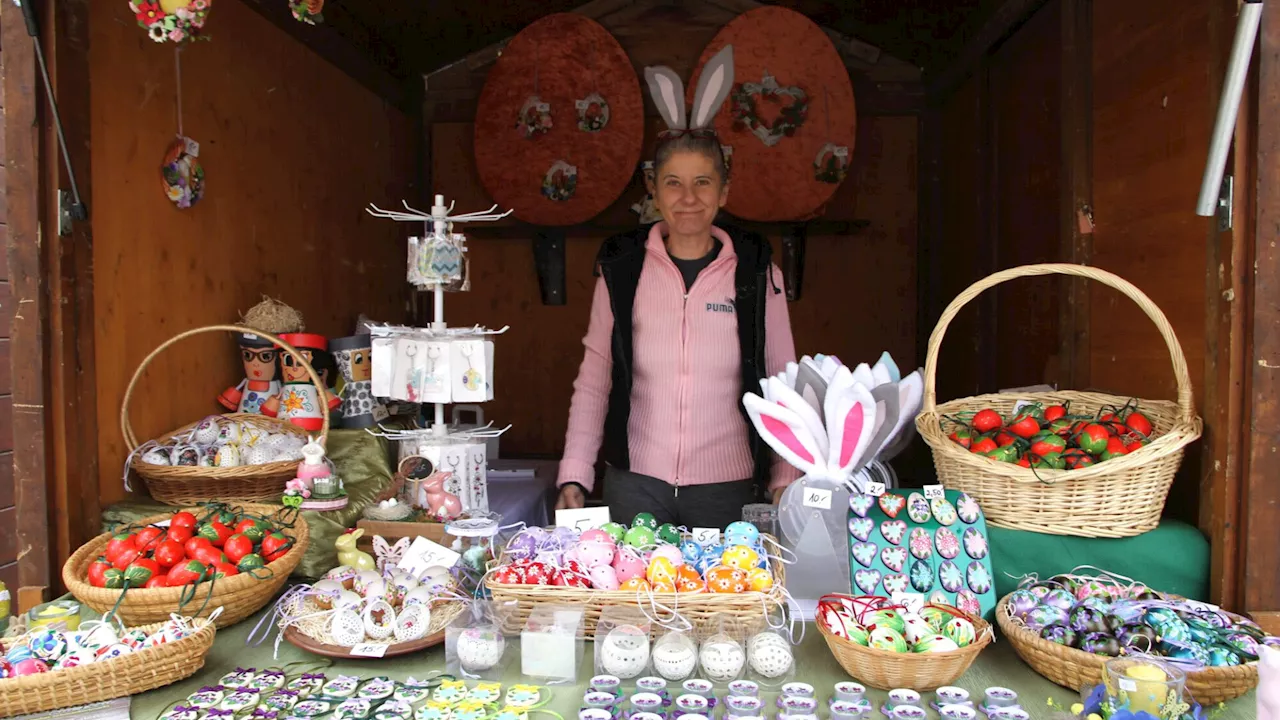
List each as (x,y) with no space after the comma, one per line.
(296,638)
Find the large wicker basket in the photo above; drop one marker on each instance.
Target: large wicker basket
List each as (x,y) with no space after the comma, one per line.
(127,675)
(1076,669)
(174,485)
(885,670)
(1121,497)
(705,611)
(239,596)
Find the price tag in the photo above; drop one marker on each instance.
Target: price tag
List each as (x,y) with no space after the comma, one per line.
(380,412)
(817,498)
(191,147)
(706,536)
(875,489)
(913,602)
(368,650)
(423,554)
(582,518)
(1128,684)
(934,492)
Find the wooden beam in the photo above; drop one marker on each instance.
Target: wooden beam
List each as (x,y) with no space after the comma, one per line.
(27,267)
(522,231)
(1076,185)
(1002,22)
(348,45)
(72,377)
(1261,545)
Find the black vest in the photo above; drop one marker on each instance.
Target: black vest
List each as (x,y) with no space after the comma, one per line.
(620,262)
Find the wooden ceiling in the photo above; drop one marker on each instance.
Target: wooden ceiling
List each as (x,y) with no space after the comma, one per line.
(404,39)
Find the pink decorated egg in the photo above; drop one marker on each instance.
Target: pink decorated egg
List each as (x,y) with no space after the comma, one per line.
(628,564)
(593,553)
(596,534)
(603,577)
(671,553)
(30,666)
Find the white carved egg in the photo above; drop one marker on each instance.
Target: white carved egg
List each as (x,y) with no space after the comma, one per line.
(255,455)
(379,620)
(722,658)
(625,652)
(412,623)
(325,593)
(376,590)
(479,649)
(348,599)
(675,656)
(363,579)
(228,455)
(417,596)
(770,655)
(346,627)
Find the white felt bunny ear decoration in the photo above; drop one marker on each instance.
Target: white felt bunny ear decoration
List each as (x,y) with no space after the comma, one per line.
(891,367)
(667,90)
(863,375)
(886,397)
(810,413)
(881,374)
(910,398)
(786,433)
(811,386)
(851,417)
(714,85)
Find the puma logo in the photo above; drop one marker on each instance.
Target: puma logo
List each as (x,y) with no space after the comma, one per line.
(724,307)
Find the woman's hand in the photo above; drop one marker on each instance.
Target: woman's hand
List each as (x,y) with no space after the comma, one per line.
(571,498)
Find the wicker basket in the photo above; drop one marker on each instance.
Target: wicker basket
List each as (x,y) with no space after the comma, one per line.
(1076,669)
(1121,497)
(127,675)
(239,596)
(247,483)
(705,611)
(885,670)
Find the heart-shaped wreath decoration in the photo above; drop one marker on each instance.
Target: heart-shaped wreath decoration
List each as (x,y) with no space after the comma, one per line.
(747,99)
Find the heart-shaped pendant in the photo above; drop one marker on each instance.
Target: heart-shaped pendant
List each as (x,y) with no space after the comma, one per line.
(893,531)
(867,580)
(894,558)
(892,504)
(864,553)
(861,504)
(894,584)
(861,527)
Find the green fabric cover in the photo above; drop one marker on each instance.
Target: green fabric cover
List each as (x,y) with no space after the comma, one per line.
(363,463)
(1172,558)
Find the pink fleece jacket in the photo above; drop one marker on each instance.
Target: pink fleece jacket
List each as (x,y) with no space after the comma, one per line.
(685,427)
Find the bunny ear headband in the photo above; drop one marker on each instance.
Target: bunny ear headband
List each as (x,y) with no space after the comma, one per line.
(714,85)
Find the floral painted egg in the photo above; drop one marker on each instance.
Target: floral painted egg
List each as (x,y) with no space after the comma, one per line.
(916,628)
(664,586)
(668,534)
(726,580)
(594,552)
(708,562)
(935,643)
(960,631)
(614,530)
(760,580)
(920,543)
(505,575)
(691,551)
(968,602)
(628,564)
(978,578)
(660,570)
(938,597)
(741,533)
(886,638)
(918,508)
(740,557)
(943,511)
(946,542)
(596,534)
(640,536)
(967,508)
(974,544)
(921,576)
(635,584)
(950,576)
(537,574)
(689,581)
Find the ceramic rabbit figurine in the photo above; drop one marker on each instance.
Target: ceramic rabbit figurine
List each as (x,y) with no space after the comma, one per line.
(1269,683)
(441,504)
(348,554)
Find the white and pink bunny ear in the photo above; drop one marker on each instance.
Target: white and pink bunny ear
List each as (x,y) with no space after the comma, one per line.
(886,397)
(851,417)
(910,395)
(881,374)
(714,85)
(786,434)
(811,386)
(667,90)
(810,412)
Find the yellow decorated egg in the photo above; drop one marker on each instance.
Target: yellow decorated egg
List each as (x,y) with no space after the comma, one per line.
(664,586)
(635,584)
(662,570)
(740,557)
(760,579)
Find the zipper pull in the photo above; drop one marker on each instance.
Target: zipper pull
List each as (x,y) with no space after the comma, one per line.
(677,490)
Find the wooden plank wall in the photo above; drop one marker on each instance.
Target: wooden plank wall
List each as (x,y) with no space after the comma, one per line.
(8,513)
(294,150)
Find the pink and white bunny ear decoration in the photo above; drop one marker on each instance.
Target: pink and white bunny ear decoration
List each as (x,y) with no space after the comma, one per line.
(886,397)
(667,90)
(881,374)
(714,84)
(851,418)
(910,395)
(786,433)
(790,373)
(810,413)
(811,386)
(862,374)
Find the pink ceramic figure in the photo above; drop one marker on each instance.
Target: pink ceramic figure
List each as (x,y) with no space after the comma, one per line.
(313,466)
(1269,684)
(442,506)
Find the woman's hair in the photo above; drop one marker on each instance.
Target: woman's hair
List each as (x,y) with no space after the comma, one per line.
(702,142)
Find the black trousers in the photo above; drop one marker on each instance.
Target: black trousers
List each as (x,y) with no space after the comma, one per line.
(716,505)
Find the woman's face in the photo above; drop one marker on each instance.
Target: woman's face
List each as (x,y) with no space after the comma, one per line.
(689,193)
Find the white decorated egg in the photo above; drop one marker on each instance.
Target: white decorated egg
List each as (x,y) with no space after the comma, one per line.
(675,656)
(770,655)
(722,658)
(625,652)
(479,649)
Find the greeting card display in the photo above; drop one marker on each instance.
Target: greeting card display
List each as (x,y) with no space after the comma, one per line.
(902,543)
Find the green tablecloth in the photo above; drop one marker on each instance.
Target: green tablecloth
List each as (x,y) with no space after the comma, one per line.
(1172,558)
(997,665)
(363,463)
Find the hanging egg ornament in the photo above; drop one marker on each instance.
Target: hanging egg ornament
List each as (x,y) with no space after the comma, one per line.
(603,577)
(935,643)
(628,564)
(645,520)
(660,570)
(740,557)
(760,580)
(723,579)
(667,533)
(887,638)
(639,536)
(635,584)
(741,533)
(691,551)
(670,552)
(770,655)
(722,658)
(675,656)
(479,648)
(616,531)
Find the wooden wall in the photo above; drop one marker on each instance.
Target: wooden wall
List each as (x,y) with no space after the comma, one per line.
(8,513)
(293,150)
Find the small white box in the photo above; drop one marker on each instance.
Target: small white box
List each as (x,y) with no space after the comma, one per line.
(550,648)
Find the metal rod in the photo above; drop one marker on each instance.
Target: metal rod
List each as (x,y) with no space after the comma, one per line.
(1228,107)
(78,211)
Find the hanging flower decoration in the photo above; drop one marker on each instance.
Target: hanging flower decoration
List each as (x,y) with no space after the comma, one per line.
(176,21)
(181,174)
(307,11)
(790,109)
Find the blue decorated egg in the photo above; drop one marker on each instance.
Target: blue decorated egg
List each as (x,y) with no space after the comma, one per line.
(691,551)
(741,533)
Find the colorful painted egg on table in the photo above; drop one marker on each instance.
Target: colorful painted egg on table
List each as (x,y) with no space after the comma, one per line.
(505,575)
(943,511)
(639,536)
(740,557)
(935,643)
(946,542)
(707,563)
(664,586)
(759,580)
(667,533)
(614,530)
(977,577)
(920,543)
(604,577)
(691,551)
(628,564)
(596,534)
(917,508)
(688,580)
(975,545)
(887,617)
(921,576)
(741,533)
(916,627)
(968,602)
(49,644)
(32,666)
(645,520)
(967,508)
(660,570)
(726,580)
(592,553)
(537,574)
(960,631)
(670,552)
(635,584)
(886,638)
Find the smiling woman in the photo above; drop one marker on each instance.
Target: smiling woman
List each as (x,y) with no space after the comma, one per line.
(686,315)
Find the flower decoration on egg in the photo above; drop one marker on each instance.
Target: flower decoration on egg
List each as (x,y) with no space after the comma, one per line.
(176,21)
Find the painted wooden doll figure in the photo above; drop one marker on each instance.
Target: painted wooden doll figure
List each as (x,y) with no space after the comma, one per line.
(299,399)
(260,381)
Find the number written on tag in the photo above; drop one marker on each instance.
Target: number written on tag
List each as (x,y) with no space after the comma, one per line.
(875,489)
(817,498)
(582,518)
(934,492)
(368,650)
(912,602)
(706,536)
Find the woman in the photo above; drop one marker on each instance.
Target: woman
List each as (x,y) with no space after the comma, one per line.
(703,318)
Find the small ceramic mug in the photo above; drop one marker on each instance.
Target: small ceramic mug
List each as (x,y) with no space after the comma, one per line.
(599,699)
(847,710)
(692,716)
(849,692)
(744,688)
(606,683)
(1008,713)
(909,712)
(697,686)
(741,706)
(594,713)
(1001,697)
(957,712)
(951,695)
(646,703)
(653,685)
(902,696)
(797,689)
(691,704)
(794,707)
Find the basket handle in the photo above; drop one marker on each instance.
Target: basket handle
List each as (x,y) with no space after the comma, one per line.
(1183,378)
(127,430)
